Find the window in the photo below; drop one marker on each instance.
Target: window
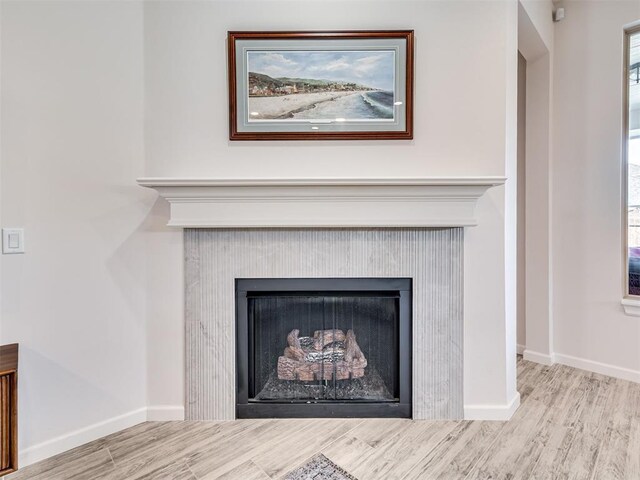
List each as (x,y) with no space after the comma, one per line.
(632,162)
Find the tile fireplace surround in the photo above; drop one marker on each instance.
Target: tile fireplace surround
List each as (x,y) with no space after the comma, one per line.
(323,228)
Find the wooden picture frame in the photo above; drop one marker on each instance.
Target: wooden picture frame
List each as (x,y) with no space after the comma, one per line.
(321,85)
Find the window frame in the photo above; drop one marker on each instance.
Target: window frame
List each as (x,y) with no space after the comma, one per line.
(628,33)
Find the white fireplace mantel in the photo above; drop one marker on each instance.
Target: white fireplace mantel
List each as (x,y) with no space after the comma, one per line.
(336,202)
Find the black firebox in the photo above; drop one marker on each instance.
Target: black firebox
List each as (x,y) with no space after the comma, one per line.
(323,347)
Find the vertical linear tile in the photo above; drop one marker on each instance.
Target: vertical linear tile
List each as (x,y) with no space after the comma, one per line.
(214,258)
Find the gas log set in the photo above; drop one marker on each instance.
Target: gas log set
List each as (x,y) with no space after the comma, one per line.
(328,355)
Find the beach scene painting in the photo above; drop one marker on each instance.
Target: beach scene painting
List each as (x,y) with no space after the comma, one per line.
(317,85)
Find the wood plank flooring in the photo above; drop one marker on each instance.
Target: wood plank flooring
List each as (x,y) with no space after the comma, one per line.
(571,424)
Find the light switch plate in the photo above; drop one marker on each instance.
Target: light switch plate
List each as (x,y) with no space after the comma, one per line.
(12,240)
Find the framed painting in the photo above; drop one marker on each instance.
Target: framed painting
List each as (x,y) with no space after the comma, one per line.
(321,85)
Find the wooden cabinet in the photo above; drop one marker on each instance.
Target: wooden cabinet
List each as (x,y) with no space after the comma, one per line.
(8,408)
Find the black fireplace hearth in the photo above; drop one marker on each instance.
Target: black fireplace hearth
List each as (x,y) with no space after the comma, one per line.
(323,347)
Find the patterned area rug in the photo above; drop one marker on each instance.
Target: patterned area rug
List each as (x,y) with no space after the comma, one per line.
(319,468)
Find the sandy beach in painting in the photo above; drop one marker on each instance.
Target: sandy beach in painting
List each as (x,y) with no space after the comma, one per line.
(287,106)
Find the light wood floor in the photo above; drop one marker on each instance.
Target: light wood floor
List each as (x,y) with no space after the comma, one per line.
(571,425)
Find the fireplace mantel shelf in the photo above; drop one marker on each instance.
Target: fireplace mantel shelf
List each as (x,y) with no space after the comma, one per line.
(322,203)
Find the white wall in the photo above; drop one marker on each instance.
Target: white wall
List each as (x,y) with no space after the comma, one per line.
(72,146)
(540,13)
(165,316)
(539,318)
(466,59)
(95,94)
(96,302)
(590,325)
(522,244)
(510,218)
(186,89)
(535,42)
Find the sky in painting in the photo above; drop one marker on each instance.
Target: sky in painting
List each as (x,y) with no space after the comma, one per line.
(373,69)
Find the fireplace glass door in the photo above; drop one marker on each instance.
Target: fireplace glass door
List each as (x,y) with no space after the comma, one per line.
(337,344)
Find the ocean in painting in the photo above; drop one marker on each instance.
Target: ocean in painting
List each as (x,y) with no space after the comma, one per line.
(362,105)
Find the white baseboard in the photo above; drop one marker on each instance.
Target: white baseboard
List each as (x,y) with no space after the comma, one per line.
(165,413)
(492,412)
(583,364)
(520,349)
(597,367)
(538,357)
(54,446)
(73,439)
